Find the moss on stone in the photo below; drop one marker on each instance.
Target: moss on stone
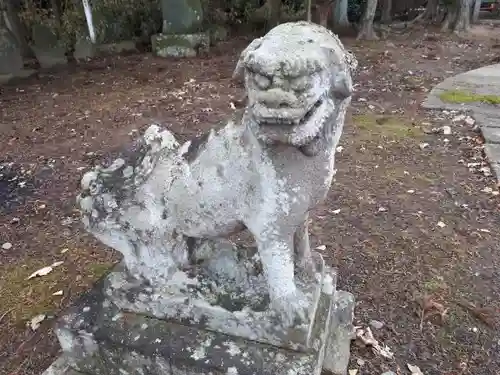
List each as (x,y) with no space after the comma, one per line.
(460,96)
(393,127)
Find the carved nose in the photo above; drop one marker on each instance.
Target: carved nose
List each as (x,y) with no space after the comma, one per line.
(278,99)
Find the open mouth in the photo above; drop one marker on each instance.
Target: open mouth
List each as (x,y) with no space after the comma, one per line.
(273,121)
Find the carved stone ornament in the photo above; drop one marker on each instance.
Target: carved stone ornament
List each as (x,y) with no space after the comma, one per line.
(170,208)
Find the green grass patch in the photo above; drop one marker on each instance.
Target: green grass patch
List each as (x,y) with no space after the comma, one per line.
(391,127)
(460,96)
(24,298)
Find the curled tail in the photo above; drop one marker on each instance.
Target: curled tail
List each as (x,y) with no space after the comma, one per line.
(104,190)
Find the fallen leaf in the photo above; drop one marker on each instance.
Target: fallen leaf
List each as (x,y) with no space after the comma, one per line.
(440,224)
(41,272)
(7,246)
(45,270)
(35,322)
(414,370)
(430,308)
(423,146)
(446,130)
(367,338)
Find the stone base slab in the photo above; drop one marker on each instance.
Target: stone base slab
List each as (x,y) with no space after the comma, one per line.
(180,45)
(98,338)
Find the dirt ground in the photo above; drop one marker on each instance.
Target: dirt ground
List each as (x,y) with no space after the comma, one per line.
(409,222)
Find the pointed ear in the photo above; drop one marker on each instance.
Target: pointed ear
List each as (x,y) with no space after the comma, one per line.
(342,85)
(238,74)
(339,66)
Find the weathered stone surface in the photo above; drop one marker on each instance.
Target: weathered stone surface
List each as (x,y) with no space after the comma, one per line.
(492,152)
(180,45)
(187,301)
(218,33)
(491,135)
(181,16)
(11,61)
(119,47)
(99,338)
(264,171)
(84,49)
(482,81)
(342,332)
(240,296)
(12,77)
(47,47)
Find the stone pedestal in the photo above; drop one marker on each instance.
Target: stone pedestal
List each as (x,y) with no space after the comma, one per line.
(201,324)
(180,45)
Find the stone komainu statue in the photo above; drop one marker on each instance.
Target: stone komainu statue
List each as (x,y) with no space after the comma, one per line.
(264,171)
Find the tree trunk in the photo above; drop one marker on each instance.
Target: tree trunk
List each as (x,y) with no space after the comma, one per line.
(308,10)
(340,18)
(274,13)
(366,30)
(17,28)
(56,8)
(321,10)
(462,23)
(475,11)
(386,11)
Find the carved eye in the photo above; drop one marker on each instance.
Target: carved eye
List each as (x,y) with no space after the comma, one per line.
(300,84)
(261,81)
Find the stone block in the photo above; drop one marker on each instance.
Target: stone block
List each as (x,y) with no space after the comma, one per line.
(11,61)
(99,338)
(491,135)
(119,47)
(218,33)
(180,45)
(48,49)
(181,16)
(84,49)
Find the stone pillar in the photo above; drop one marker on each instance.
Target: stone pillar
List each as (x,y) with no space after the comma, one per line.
(181,34)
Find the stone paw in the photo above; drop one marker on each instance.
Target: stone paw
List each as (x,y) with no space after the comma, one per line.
(293,308)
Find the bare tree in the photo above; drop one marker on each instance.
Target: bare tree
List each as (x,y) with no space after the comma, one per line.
(366,30)
(321,10)
(15,25)
(386,11)
(274,13)
(457,17)
(340,18)
(475,11)
(462,23)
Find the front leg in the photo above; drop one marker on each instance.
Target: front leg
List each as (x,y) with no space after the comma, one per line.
(277,261)
(303,255)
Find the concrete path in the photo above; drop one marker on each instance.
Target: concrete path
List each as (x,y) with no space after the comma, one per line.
(482,81)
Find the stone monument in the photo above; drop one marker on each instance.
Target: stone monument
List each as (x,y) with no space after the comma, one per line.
(181,34)
(186,300)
